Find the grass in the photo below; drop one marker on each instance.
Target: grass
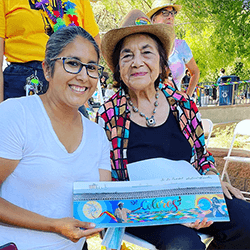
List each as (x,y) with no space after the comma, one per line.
(223,134)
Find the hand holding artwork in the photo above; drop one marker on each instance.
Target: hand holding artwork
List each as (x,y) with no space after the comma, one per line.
(74,229)
(198,225)
(229,190)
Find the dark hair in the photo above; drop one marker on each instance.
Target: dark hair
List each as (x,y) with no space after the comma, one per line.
(106,75)
(163,62)
(222,70)
(160,10)
(60,39)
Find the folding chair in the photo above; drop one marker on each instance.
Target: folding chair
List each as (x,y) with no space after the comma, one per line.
(208,128)
(242,128)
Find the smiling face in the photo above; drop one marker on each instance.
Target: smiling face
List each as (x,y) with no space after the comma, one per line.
(73,89)
(162,18)
(139,62)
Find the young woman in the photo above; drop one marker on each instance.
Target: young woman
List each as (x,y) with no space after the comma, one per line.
(46,145)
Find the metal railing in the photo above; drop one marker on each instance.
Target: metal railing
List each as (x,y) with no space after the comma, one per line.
(230,93)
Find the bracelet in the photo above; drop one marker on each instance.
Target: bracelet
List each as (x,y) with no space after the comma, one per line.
(212,170)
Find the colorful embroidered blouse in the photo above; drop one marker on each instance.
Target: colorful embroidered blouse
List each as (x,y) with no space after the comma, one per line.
(114,117)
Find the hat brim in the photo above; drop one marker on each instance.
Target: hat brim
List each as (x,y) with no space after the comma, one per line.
(164,32)
(153,11)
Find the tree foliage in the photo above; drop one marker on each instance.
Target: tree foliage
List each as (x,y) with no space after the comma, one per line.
(217,31)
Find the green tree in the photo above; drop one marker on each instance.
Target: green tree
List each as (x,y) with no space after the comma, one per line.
(217,31)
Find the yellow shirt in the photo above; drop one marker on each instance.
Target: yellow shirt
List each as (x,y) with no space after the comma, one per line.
(23,28)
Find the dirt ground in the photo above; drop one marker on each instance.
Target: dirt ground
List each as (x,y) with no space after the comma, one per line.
(239,173)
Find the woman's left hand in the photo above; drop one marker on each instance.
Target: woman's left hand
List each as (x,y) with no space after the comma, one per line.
(198,225)
(229,190)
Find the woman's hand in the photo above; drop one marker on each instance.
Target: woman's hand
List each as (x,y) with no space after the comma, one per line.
(74,229)
(229,190)
(198,225)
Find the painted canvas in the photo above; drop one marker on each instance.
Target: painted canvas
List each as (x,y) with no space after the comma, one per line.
(151,202)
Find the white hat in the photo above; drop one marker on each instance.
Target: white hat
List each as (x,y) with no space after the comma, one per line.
(160,4)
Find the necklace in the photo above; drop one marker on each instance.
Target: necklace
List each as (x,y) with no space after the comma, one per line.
(150,122)
(56,16)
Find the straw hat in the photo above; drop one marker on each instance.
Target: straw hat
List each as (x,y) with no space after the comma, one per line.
(135,22)
(160,4)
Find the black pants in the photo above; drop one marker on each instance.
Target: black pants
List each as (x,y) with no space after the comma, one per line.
(227,235)
(85,246)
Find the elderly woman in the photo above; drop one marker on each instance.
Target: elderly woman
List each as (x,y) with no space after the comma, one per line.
(164,11)
(46,145)
(145,120)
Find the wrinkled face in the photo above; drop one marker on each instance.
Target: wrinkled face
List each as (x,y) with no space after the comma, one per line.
(139,62)
(74,89)
(165,16)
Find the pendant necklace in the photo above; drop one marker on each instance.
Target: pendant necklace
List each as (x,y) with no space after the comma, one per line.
(150,122)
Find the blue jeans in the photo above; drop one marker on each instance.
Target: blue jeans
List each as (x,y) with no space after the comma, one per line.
(15,78)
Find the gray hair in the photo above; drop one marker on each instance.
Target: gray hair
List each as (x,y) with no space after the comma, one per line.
(60,39)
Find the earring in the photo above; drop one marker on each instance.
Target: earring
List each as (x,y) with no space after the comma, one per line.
(160,84)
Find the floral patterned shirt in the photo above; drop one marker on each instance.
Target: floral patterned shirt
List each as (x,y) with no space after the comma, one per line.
(114,117)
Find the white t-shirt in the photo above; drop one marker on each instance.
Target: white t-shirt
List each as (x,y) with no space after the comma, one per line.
(180,56)
(43,180)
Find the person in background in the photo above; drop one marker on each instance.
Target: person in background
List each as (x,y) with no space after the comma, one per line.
(109,92)
(181,57)
(222,72)
(25,27)
(103,80)
(147,119)
(186,78)
(46,145)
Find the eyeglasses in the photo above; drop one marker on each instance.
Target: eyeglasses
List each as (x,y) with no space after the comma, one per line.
(74,66)
(166,13)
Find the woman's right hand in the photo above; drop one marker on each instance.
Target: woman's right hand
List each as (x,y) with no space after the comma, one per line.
(198,225)
(74,229)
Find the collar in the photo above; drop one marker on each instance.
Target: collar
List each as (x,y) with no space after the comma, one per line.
(173,95)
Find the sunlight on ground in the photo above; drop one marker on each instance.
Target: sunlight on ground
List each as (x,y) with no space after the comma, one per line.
(94,243)
(222,136)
